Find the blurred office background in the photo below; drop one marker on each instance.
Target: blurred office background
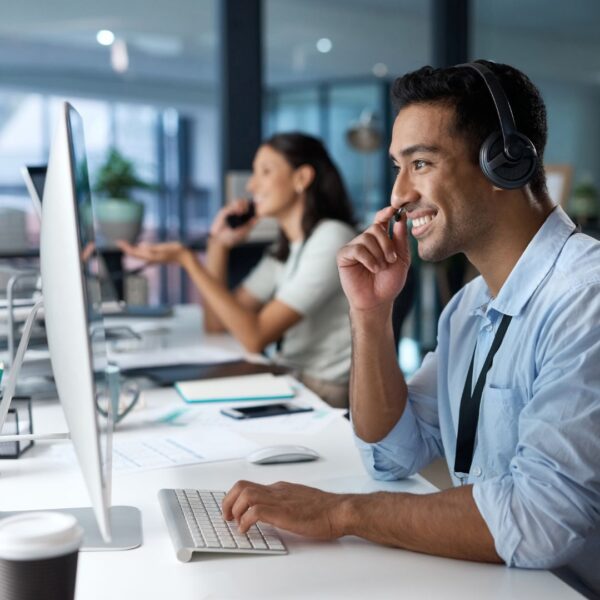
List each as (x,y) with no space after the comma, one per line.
(152,80)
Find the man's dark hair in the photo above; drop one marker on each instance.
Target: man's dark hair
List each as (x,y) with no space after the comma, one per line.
(476,116)
(326,196)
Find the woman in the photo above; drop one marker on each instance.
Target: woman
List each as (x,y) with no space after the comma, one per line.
(293,297)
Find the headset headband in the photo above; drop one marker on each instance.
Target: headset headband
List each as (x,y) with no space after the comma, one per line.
(505,114)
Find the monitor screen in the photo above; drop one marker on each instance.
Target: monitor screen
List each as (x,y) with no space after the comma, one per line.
(84,213)
(72,304)
(90,267)
(75,331)
(35,180)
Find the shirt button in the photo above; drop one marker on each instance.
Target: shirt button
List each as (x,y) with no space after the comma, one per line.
(477,471)
(489,327)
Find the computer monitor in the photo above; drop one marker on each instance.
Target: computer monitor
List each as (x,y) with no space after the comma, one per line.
(74,327)
(111,272)
(35,178)
(35,181)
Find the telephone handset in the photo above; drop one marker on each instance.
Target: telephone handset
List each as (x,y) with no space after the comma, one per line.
(236,220)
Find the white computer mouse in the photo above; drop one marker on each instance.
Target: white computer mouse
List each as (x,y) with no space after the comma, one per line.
(284,453)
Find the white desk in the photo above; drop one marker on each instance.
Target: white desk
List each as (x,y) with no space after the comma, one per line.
(345,568)
(165,340)
(171,340)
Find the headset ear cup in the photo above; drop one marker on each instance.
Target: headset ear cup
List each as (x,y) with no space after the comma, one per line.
(501,170)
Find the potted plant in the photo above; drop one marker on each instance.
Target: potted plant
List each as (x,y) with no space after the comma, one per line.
(583,206)
(118,215)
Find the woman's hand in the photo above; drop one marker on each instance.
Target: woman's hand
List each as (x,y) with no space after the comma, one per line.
(225,235)
(372,267)
(164,253)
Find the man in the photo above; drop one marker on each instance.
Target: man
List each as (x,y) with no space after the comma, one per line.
(531,495)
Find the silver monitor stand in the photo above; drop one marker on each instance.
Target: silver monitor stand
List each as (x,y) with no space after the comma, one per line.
(126,521)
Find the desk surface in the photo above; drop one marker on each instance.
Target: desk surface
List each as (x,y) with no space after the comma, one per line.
(345,568)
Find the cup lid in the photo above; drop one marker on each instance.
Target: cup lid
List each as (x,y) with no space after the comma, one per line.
(36,535)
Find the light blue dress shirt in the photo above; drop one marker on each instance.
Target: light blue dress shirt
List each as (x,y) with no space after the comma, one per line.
(536,463)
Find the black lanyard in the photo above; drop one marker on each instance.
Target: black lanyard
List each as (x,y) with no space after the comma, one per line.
(469,405)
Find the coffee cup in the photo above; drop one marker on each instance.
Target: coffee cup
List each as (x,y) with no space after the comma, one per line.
(38,556)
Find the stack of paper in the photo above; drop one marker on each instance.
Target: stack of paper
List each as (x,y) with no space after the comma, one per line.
(263,386)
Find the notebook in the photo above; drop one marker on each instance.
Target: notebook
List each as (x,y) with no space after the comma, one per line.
(262,386)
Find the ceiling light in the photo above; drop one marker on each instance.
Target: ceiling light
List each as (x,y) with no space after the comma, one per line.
(380,69)
(324,45)
(105,37)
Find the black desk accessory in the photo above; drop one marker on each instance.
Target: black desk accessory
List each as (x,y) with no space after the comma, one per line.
(19,420)
(168,375)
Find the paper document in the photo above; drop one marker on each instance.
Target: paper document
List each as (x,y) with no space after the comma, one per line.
(208,444)
(262,386)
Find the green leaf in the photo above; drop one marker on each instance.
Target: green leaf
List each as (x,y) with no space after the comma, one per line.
(116,178)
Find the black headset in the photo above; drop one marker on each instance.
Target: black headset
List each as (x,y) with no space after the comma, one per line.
(507,158)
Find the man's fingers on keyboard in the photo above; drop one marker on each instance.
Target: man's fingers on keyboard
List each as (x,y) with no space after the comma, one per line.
(248,519)
(250,496)
(231,497)
(255,513)
(242,495)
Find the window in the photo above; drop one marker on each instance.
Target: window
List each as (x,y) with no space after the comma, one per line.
(557,46)
(331,73)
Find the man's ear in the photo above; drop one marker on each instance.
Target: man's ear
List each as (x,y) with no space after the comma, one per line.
(304,175)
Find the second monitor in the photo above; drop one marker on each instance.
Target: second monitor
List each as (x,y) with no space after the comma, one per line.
(75,329)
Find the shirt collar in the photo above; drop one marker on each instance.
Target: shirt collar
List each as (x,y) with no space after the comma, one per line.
(534,264)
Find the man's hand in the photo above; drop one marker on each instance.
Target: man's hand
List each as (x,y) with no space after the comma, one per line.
(225,235)
(372,267)
(167,252)
(296,508)
(445,523)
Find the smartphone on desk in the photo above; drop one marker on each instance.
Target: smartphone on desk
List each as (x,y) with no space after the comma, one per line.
(265,410)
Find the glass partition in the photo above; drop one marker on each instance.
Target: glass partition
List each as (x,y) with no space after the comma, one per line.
(127,73)
(558,46)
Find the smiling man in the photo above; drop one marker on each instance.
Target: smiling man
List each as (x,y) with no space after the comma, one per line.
(511,395)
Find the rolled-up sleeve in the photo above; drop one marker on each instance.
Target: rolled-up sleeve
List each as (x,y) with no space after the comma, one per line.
(316,278)
(261,282)
(542,511)
(415,440)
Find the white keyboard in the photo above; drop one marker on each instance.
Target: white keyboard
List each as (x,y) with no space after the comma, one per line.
(196,524)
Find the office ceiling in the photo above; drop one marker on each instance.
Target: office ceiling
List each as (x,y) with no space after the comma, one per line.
(172,45)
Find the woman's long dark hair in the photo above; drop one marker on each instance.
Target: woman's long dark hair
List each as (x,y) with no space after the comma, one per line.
(326,196)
